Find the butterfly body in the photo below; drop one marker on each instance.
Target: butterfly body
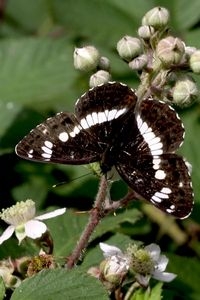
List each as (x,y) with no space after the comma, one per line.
(110,128)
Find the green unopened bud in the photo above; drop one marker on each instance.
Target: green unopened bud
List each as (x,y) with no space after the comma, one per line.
(146,32)
(129,47)
(195,62)
(104,63)
(170,51)
(184,92)
(99,77)
(157,17)
(139,62)
(86,58)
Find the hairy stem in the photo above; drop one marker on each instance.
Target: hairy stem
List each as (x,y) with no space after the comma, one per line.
(96,214)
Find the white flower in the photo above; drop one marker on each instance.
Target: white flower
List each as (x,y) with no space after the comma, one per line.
(115,266)
(144,263)
(23,222)
(159,264)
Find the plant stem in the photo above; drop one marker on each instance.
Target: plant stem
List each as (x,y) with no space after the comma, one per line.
(96,214)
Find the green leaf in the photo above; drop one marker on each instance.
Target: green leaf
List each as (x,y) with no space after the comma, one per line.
(2,289)
(98,17)
(60,284)
(186,15)
(66,231)
(191,146)
(112,222)
(152,294)
(186,285)
(43,72)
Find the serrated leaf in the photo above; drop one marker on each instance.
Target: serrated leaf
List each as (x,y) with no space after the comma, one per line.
(60,284)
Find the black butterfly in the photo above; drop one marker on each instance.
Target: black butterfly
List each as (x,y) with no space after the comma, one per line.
(138,140)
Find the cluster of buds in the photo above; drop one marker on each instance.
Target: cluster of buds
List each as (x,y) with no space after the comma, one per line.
(89,59)
(158,57)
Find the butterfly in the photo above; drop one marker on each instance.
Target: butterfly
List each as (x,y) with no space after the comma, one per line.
(109,127)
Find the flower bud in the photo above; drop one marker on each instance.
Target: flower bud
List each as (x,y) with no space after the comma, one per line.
(146,32)
(184,92)
(129,47)
(86,58)
(170,51)
(113,269)
(104,63)
(139,62)
(195,62)
(157,17)
(99,77)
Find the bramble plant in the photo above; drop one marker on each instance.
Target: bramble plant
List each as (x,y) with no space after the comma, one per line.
(119,267)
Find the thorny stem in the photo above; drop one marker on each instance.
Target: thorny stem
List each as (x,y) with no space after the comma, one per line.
(96,215)
(99,211)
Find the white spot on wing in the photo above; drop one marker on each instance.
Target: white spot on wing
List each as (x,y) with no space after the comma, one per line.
(84,124)
(46,155)
(157,146)
(46,150)
(157,152)
(48,144)
(161,195)
(166,190)
(89,120)
(95,118)
(143,128)
(156,199)
(63,136)
(120,112)
(111,114)
(101,117)
(160,174)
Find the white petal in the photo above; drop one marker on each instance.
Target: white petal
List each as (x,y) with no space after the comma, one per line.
(110,250)
(143,280)
(52,214)
(154,251)
(166,277)
(162,263)
(7,234)
(34,229)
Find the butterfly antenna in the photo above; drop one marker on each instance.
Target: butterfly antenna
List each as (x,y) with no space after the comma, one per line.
(66,182)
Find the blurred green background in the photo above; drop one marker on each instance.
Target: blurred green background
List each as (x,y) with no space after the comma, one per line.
(37,79)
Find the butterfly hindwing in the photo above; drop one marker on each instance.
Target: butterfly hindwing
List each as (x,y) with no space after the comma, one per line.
(164,180)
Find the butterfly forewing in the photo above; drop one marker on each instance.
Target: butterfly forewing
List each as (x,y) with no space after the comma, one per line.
(81,138)
(55,141)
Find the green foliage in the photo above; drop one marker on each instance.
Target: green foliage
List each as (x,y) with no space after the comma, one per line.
(61,284)
(37,79)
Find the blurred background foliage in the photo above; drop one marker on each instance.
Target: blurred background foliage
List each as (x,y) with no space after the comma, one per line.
(37,79)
